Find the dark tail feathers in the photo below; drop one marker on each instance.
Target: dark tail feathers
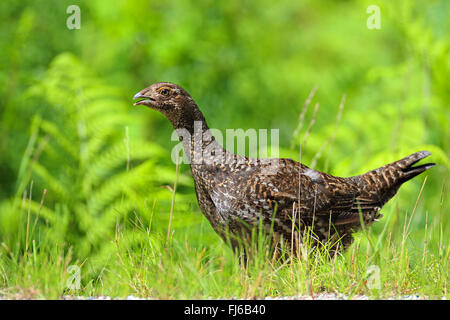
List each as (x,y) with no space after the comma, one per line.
(378,186)
(405,166)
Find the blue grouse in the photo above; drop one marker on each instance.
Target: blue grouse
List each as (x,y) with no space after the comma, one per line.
(237,193)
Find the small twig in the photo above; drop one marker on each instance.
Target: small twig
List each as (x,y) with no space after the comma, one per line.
(293,228)
(296,133)
(173,202)
(318,154)
(330,140)
(425,241)
(311,124)
(28,217)
(301,117)
(302,144)
(417,201)
(311,293)
(44,193)
(336,125)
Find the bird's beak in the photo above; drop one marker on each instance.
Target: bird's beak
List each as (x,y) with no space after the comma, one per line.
(145,99)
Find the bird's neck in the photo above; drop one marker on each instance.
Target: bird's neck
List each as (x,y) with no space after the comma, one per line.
(200,146)
(188,119)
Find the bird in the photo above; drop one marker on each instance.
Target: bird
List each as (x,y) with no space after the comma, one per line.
(285,198)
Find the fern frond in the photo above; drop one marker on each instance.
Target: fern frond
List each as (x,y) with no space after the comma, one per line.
(56,134)
(94,176)
(51,183)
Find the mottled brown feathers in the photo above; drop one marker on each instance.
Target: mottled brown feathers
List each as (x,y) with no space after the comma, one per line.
(236,192)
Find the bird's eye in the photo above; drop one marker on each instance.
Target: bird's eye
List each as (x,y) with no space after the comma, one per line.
(164,92)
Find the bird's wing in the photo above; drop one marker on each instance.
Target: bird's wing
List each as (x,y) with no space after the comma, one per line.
(292,186)
(315,198)
(297,186)
(360,207)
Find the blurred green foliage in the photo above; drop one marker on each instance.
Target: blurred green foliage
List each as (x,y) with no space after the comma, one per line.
(67,124)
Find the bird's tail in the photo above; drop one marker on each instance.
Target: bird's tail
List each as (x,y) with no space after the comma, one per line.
(404,169)
(381,184)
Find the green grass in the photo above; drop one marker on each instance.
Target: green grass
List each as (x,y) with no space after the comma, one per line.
(196,264)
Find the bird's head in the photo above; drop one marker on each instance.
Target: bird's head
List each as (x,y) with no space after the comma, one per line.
(163,96)
(172,101)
